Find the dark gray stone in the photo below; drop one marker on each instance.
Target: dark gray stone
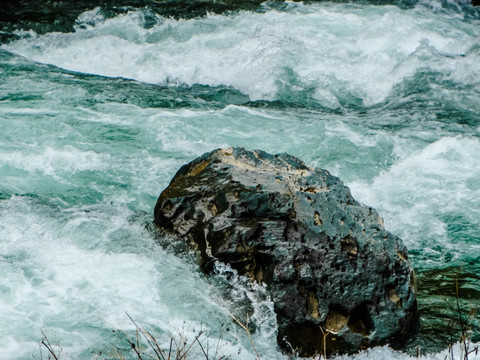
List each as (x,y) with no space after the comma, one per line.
(339,281)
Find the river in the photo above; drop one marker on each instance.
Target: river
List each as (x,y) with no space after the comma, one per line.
(94,122)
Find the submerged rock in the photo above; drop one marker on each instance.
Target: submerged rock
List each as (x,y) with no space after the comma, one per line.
(339,281)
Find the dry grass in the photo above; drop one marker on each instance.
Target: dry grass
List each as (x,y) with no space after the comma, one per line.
(146,346)
(143,345)
(53,351)
(464,322)
(247,331)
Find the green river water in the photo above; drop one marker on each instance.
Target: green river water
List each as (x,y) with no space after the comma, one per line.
(95,122)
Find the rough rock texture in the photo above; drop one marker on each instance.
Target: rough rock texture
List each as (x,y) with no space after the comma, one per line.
(329,264)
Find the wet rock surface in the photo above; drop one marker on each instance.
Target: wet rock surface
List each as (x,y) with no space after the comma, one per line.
(339,281)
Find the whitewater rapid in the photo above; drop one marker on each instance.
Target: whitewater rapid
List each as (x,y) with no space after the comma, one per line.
(332,54)
(95,123)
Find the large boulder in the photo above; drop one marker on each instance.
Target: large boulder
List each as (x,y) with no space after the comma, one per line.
(339,281)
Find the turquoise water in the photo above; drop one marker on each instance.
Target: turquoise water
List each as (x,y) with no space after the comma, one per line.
(94,123)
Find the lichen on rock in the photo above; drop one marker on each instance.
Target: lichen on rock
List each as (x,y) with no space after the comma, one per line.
(339,281)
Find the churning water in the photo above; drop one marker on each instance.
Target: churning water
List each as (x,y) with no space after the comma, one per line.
(94,123)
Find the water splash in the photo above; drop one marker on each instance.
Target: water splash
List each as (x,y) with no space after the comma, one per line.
(329,54)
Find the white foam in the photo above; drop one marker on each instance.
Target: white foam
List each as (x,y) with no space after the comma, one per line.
(380,353)
(341,52)
(419,190)
(75,273)
(49,160)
